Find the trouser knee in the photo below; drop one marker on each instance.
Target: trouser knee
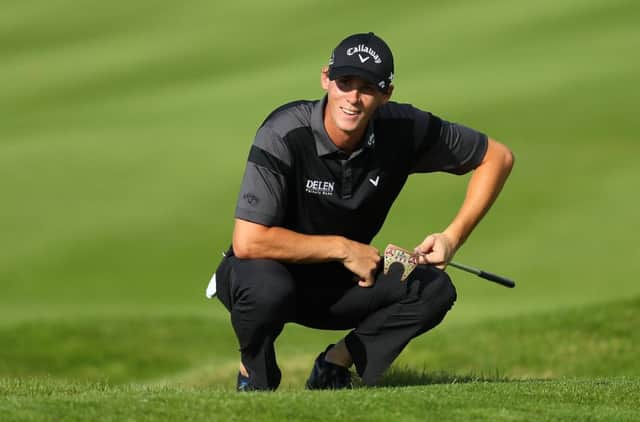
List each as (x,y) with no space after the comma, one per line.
(438,294)
(447,289)
(263,292)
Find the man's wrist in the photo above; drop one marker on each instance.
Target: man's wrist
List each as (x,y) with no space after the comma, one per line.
(340,249)
(455,238)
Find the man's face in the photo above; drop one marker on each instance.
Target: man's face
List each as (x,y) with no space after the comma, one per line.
(351,101)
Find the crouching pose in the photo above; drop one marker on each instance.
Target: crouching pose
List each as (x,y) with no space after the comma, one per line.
(320,179)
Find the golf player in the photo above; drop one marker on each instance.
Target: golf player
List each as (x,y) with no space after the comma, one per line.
(320,179)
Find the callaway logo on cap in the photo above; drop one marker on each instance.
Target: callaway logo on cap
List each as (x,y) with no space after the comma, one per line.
(363,55)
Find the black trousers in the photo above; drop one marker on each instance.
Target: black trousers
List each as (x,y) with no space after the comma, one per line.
(262,295)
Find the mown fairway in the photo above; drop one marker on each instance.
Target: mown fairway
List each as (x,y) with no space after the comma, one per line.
(123,133)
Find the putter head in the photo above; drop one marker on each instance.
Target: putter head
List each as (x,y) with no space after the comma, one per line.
(395,254)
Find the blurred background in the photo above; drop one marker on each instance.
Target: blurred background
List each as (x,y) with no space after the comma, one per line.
(125,126)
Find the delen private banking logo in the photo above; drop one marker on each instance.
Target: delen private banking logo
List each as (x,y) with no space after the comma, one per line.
(319,187)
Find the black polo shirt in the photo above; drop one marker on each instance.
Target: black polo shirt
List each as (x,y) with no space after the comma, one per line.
(298,179)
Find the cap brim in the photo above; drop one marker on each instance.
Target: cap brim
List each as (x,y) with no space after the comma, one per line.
(338,72)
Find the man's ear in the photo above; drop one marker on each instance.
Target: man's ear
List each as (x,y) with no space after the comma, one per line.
(387,96)
(324,78)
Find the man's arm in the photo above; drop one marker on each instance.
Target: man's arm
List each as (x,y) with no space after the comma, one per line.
(484,186)
(256,241)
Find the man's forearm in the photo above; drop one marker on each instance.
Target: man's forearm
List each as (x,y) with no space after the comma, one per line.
(254,241)
(484,186)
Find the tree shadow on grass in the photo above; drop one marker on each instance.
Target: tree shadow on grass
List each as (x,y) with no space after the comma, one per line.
(405,376)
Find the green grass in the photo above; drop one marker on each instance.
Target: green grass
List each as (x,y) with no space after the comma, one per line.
(570,399)
(593,341)
(576,364)
(123,133)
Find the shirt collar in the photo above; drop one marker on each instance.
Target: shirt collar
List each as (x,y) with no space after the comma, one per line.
(324,144)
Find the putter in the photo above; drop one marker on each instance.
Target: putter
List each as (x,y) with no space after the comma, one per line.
(486,275)
(406,258)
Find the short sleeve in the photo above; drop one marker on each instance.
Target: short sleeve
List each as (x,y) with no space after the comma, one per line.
(458,149)
(263,192)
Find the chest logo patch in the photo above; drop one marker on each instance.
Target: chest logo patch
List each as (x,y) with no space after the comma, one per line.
(319,187)
(375,181)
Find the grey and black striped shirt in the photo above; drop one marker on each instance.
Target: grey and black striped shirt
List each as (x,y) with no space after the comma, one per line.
(298,179)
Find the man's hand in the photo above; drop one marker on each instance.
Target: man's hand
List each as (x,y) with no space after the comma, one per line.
(437,249)
(363,261)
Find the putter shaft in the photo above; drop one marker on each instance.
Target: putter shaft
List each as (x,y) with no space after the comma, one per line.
(486,275)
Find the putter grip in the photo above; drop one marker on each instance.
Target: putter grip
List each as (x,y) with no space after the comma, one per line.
(497,279)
